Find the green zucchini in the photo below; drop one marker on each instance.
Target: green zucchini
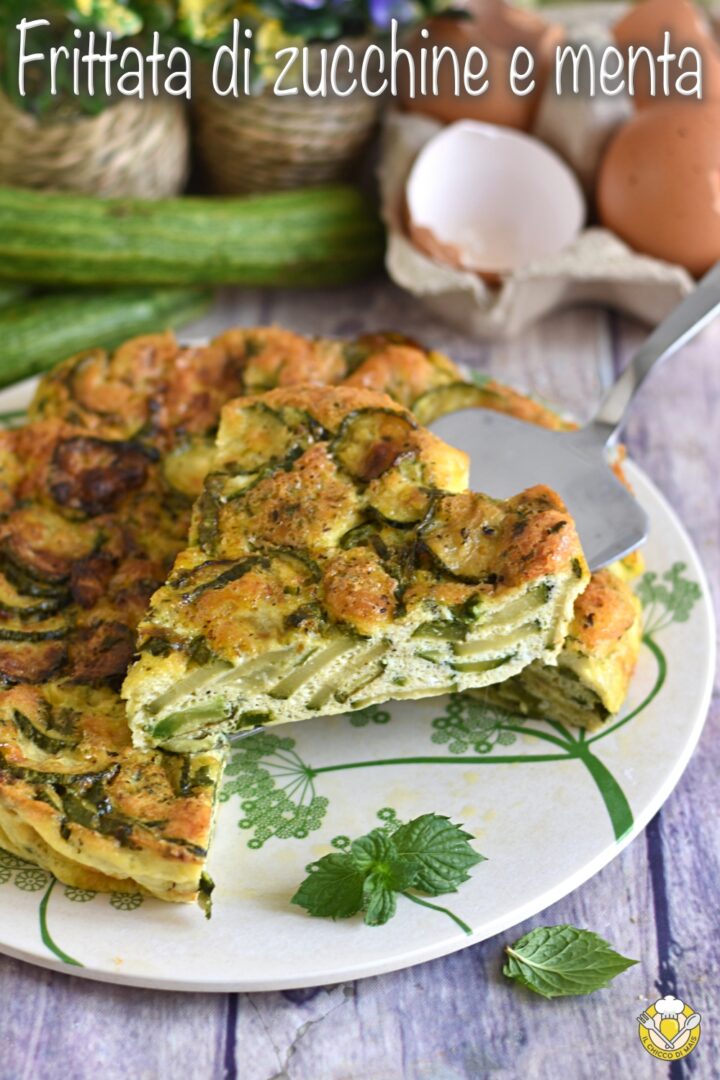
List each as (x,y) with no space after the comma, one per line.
(55,633)
(351,684)
(212,574)
(196,716)
(261,438)
(442,630)
(12,294)
(188,685)
(314,236)
(185,468)
(51,744)
(484,665)
(38,333)
(370,440)
(308,669)
(14,605)
(441,400)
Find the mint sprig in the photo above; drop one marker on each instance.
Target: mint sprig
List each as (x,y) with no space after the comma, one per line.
(429,855)
(562,961)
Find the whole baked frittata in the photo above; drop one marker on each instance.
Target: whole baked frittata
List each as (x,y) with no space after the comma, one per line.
(95,501)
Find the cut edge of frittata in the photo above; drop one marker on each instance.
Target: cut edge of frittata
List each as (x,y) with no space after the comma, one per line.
(591,679)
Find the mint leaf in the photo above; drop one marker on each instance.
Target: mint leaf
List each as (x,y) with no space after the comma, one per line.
(334,889)
(561,961)
(370,850)
(379,900)
(387,873)
(376,853)
(442,850)
(429,854)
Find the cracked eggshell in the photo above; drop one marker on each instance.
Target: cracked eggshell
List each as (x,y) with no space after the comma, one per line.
(491,200)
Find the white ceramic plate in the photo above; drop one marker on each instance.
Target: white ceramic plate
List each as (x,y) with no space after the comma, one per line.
(289,794)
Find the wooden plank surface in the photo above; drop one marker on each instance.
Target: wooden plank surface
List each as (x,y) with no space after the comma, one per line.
(456,1018)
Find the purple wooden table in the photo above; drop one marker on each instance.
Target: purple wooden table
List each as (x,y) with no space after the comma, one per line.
(456,1018)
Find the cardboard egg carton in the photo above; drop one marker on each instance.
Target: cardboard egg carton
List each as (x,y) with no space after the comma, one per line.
(597,268)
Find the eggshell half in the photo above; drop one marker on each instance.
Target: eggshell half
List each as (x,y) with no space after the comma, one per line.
(491,200)
(659,184)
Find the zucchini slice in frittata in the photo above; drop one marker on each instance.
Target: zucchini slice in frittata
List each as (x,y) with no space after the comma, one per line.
(337,560)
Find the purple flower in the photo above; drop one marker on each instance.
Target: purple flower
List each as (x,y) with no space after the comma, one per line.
(382,12)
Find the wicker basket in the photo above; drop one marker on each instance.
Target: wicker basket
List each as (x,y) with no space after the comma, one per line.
(269,143)
(134,149)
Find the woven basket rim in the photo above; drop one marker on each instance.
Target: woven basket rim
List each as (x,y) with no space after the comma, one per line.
(76,115)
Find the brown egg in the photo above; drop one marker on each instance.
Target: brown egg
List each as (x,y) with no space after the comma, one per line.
(646,23)
(497,29)
(659,184)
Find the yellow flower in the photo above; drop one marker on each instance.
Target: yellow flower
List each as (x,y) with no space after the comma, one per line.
(206,21)
(110,15)
(269,39)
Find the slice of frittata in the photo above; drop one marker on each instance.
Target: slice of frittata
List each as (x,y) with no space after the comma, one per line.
(337,559)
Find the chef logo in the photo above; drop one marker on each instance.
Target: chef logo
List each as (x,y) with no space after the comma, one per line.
(669,1029)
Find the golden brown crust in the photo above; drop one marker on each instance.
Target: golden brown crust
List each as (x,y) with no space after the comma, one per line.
(149,388)
(328,409)
(308,507)
(87,529)
(603,614)
(358,591)
(100,523)
(513,541)
(402,371)
(270,357)
(312,502)
(85,539)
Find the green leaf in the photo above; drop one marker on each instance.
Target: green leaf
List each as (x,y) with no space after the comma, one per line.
(369,850)
(379,900)
(376,856)
(429,854)
(562,961)
(334,889)
(442,851)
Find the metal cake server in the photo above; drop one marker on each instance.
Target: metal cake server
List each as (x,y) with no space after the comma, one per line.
(509,455)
